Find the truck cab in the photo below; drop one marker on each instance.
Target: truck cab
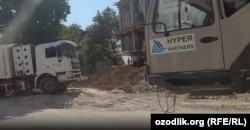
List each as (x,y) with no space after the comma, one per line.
(59,62)
(198,41)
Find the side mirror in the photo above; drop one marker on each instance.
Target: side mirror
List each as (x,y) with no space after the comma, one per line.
(166,33)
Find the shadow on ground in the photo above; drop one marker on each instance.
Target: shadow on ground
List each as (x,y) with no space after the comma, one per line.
(23,103)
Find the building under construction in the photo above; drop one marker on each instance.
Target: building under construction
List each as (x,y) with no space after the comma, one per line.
(132,19)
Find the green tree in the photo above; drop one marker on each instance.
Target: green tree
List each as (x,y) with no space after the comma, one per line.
(100,40)
(73,33)
(32,21)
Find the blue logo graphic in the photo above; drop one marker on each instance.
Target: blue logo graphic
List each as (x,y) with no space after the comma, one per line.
(158,47)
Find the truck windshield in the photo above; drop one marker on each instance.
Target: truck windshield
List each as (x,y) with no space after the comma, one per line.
(183,14)
(69,51)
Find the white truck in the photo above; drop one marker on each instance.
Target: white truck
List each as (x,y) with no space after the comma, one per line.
(192,42)
(49,66)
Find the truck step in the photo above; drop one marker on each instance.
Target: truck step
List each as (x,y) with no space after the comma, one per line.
(212,90)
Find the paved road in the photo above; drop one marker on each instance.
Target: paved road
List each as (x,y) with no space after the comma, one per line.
(75,119)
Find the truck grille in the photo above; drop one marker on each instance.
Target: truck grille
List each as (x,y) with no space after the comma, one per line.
(75,65)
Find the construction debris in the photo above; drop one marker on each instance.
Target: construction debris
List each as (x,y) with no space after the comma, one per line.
(126,78)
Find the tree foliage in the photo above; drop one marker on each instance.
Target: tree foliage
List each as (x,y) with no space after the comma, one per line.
(32,21)
(72,32)
(100,42)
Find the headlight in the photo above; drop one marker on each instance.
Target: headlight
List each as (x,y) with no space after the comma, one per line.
(70,76)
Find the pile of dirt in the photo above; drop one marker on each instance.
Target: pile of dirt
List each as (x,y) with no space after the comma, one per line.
(126,78)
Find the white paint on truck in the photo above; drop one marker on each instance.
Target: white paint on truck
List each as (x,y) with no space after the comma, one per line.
(48,66)
(6,64)
(22,57)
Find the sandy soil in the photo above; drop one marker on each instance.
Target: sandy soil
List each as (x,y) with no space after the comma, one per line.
(92,108)
(107,106)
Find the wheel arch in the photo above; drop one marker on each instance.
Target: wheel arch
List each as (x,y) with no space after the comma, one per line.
(41,76)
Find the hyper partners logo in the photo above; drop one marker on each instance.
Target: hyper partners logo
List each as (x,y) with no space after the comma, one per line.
(158,47)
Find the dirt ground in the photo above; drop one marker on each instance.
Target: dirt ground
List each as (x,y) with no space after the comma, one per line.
(119,95)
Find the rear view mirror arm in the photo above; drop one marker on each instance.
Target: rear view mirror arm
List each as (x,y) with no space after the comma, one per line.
(166,33)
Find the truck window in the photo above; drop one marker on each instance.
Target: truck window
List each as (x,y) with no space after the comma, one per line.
(183,14)
(50,52)
(59,51)
(232,6)
(69,50)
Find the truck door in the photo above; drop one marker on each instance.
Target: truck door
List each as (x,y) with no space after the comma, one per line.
(53,58)
(235,28)
(193,42)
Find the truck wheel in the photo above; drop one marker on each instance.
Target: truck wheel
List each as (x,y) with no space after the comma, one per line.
(48,85)
(62,88)
(242,87)
(2,92)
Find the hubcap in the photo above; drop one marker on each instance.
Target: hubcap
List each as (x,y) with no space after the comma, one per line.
(49,86)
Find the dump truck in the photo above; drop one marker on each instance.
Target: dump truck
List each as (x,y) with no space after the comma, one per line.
(49,67)
(198,42)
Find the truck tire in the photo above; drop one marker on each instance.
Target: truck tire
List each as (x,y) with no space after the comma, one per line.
(242,86)
(62,88)
(2,92)
(48,85)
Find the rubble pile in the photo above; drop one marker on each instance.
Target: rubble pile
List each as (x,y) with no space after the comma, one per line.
(126,78)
